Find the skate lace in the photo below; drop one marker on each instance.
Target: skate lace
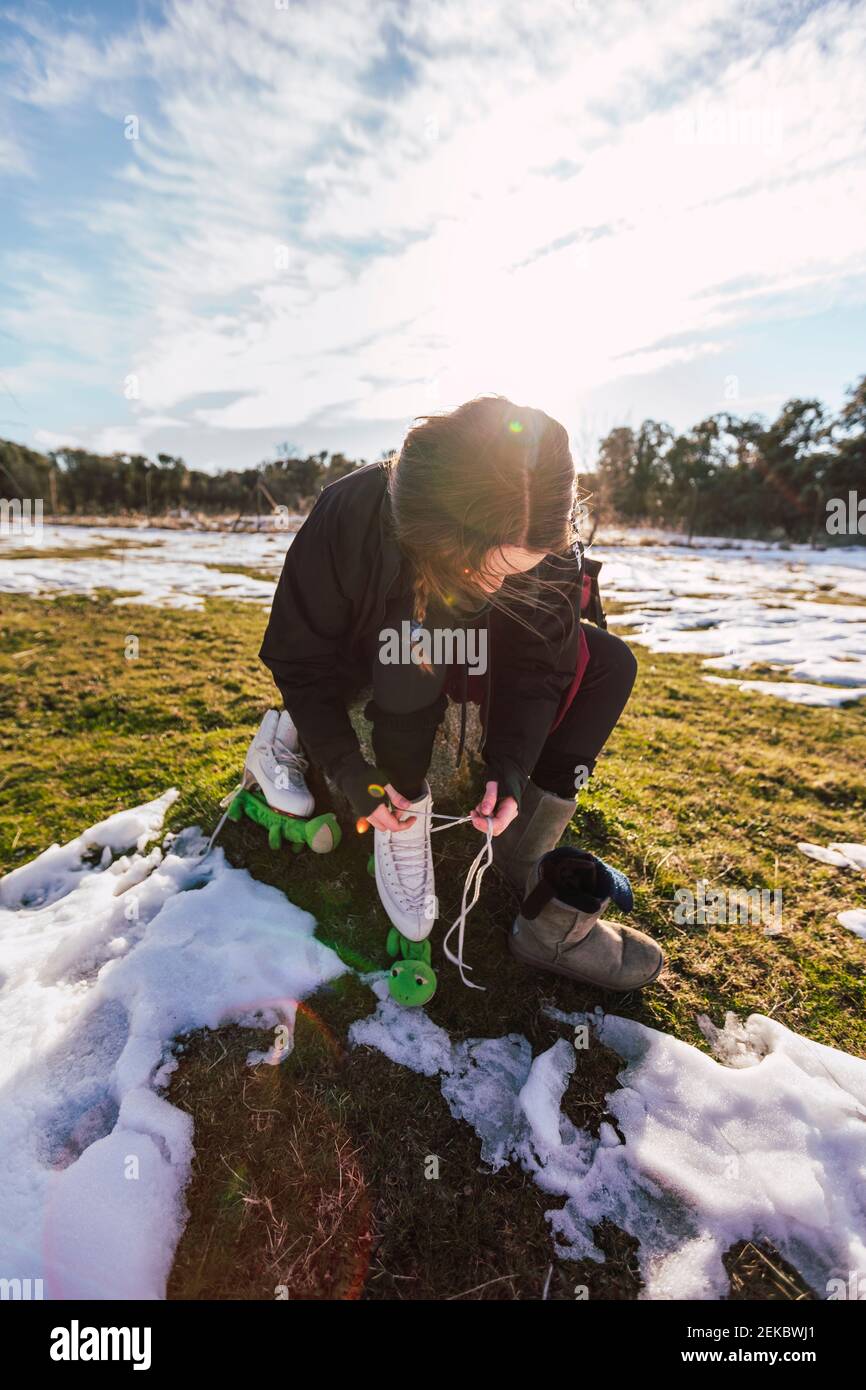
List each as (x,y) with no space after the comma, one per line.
(477,869)
(410,860)
(287,757)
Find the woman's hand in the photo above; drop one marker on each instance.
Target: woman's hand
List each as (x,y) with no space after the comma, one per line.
(383,819)
(504,812)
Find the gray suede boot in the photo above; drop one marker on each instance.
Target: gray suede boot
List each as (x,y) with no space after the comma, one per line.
(537,828)
(560,927)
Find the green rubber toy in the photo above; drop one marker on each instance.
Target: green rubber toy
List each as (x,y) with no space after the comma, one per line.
(321,834)
(411,979)
(399,945)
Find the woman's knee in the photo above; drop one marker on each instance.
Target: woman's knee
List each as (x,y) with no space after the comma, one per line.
(612,663)
(625,663)
(600,699)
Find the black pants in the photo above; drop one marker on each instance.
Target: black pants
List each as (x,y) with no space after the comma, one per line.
(408,704)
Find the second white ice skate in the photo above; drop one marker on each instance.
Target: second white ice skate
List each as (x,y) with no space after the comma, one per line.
(276,765)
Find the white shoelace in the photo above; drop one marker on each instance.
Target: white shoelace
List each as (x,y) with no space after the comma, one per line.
(477,869)
(409,856)
(290,758)
(224,805)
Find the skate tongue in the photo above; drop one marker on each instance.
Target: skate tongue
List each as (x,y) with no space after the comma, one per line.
(286,735)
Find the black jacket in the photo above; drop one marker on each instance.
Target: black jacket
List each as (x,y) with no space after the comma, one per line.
(340,570)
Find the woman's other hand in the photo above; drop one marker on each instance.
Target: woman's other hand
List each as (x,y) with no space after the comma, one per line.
(503,814)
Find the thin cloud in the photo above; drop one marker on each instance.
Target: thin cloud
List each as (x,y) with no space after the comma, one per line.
(359,213)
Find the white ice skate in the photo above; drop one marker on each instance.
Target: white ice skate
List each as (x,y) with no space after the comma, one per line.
(276,765)
(404,871)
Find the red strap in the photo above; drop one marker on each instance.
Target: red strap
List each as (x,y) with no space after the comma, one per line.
(582,663)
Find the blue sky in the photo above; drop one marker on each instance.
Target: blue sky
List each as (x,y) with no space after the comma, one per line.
(336,217)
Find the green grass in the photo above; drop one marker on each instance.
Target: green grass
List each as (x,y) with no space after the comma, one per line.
(311,1176)
(97,550)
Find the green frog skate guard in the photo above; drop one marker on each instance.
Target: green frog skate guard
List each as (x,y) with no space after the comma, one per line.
(321,834)
(411,979)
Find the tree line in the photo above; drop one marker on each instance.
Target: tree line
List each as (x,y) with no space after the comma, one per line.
(78,482)
(740,477)
(725,476)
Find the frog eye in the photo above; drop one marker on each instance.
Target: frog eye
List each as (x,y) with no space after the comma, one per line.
(419,980)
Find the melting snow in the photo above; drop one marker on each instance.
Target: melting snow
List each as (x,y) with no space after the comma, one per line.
(844,856)
(855,920)
(769,1141)
(170,569)
(732,604)
(736,607)
(823,856)
(112,946)
(795,692)
(848,856)
(101,966)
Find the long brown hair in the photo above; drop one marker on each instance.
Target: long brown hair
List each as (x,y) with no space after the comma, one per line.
(467,482)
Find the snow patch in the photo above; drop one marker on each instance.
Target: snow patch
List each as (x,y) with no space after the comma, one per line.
(739,606)
(170,569)
(103,965)
(823,856)
(842,856)
(732,604)
(765,1140)
(796,692)
(855,920)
